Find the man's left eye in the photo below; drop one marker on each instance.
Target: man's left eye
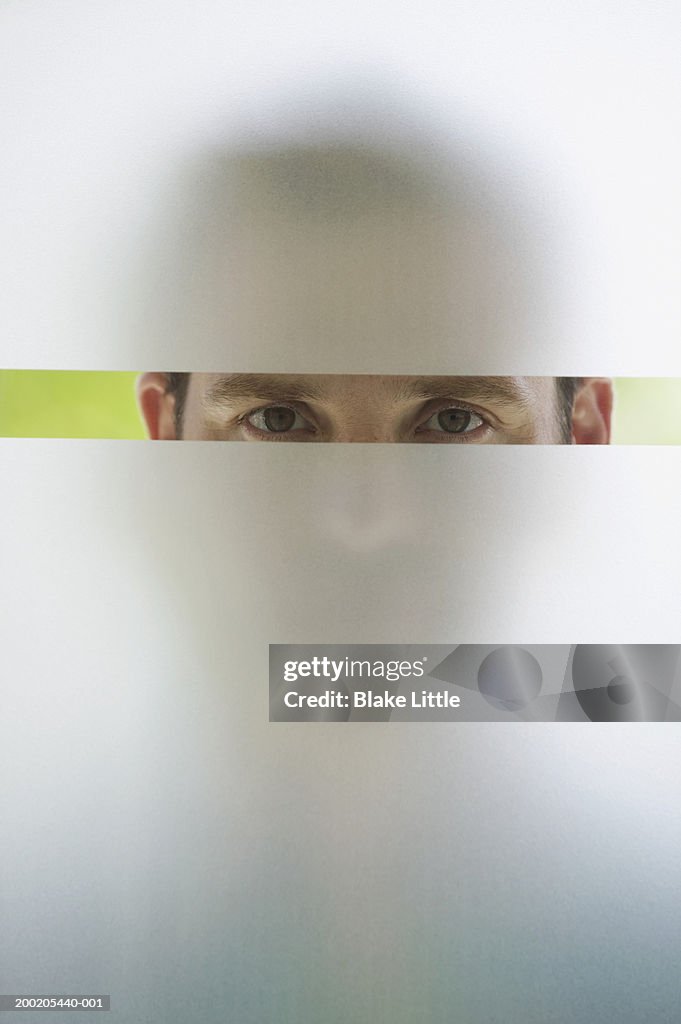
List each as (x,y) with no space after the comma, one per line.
(454,421)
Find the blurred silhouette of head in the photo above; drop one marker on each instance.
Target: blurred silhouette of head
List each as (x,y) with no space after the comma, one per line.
(360,271)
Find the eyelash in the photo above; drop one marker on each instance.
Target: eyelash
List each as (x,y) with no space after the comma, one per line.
(462,437)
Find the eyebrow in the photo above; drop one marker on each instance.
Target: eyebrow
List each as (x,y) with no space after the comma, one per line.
(500,390)
(274,387)
(282,387)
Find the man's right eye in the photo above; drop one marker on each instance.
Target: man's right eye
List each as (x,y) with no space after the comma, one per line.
(276,419)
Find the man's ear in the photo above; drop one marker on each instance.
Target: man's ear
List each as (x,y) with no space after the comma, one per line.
(157,406)
(592,411)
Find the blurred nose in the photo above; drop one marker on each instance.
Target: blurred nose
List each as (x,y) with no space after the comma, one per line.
(366,499)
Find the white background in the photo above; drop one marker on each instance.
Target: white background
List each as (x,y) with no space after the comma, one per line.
(161,840)
(103,105)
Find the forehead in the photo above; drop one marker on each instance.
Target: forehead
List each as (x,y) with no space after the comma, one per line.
(347,259)
(351,389)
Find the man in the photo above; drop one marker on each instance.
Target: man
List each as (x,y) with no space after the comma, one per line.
(372,408)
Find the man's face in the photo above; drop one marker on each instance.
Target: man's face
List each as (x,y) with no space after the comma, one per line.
(371,408)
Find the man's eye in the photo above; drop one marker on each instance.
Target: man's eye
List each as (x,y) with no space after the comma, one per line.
(277,419)
(454,421)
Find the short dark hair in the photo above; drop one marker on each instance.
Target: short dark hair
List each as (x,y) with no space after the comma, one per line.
(567,389)
(178,385)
